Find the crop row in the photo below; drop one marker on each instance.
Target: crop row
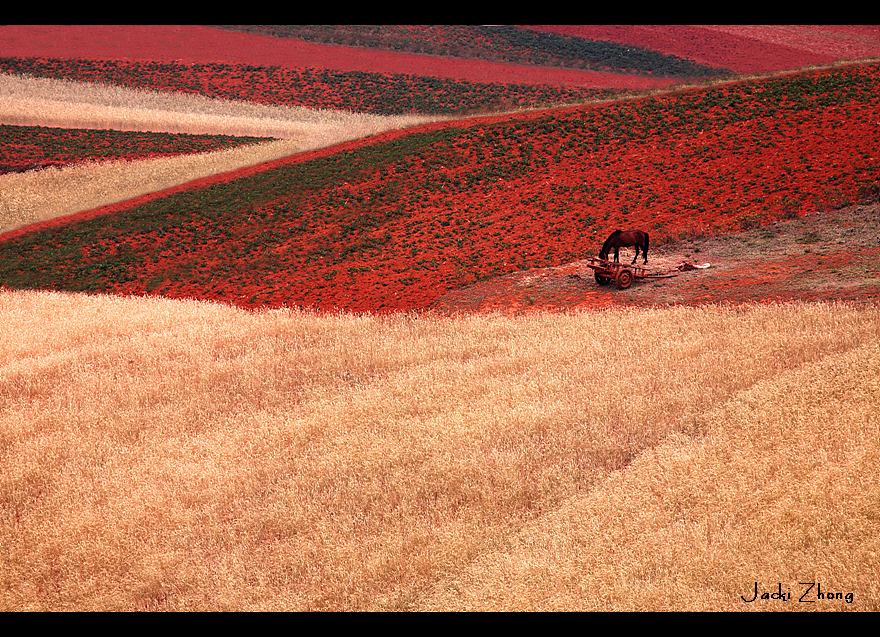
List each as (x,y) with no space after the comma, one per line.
(395,225)
(29,147)
(312,88)
(499,43)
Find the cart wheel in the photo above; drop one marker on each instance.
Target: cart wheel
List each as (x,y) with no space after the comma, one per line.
(624,279)
(602,279)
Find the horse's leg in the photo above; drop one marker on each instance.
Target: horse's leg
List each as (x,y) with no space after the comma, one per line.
(637,254)
(617,254)
(645,249)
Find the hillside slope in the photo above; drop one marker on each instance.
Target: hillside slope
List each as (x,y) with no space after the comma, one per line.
(831,254)
(397,221)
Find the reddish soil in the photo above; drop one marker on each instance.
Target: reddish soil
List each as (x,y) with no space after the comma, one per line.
(740,48)
(831,255)
(199,44)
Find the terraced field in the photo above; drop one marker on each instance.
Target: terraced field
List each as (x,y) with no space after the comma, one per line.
(383,94)
(192,44)
(396,222)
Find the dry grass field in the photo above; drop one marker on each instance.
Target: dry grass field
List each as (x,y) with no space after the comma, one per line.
(29,101)
(182,455)
(52,192)
(779,484)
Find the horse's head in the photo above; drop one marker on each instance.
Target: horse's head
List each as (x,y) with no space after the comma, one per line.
(609,243)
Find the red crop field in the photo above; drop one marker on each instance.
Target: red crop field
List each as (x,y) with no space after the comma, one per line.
(741,48)
(311,88)
(200,45)
(838,42)
(396,223)
(29,147)
(501,43)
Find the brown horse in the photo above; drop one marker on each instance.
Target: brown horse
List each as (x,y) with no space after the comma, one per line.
(620,238)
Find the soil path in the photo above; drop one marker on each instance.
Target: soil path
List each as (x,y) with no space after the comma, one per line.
(828,255)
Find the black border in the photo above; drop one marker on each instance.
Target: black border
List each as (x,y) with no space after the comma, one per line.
(456,12)
(453,13)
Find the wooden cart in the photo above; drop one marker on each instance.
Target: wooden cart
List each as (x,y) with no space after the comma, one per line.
(621,273)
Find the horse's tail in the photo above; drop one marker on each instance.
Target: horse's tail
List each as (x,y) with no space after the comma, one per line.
(646,244)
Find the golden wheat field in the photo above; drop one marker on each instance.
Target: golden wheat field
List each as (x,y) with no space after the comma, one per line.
(182,455)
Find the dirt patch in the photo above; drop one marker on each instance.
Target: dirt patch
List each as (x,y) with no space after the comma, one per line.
(833,254)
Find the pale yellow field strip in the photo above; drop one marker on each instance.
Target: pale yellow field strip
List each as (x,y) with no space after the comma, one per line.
(28,101)
(180,455)
(778,492)
(52,192)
